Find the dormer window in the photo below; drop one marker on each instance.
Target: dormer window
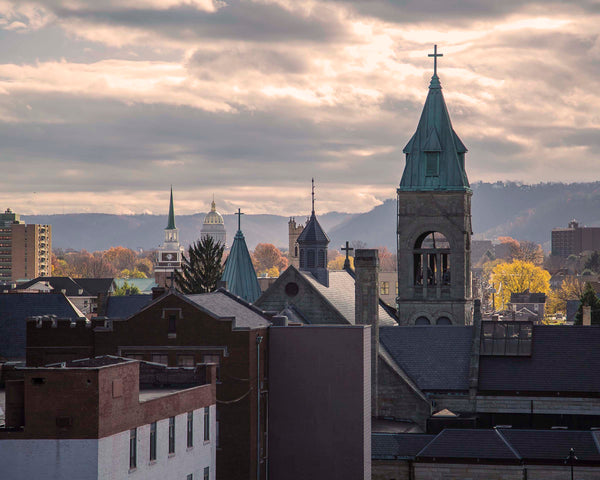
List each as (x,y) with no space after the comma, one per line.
(432,167)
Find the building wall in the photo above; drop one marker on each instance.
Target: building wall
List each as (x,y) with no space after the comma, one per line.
(31,251)
(459,471)
(319,403)
(54,459)
(391,470)
(388,281)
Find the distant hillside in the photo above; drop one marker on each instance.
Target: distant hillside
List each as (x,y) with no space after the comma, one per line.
(525,212)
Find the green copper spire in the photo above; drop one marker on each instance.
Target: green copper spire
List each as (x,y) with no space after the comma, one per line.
(171,223)
(435,156)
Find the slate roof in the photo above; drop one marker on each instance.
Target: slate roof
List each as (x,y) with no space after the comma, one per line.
(398,445)
(72,288)
(469,444)
(96,286)
(126,305)
(15,308)
(223,304)
(563,359)
(553,444)
(434,135)
(341,294)
(313,233)
(435,357)
(239,272)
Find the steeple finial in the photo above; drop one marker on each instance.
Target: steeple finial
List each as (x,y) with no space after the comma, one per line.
(313,195)
(435,81)
(239,214)
(171,221)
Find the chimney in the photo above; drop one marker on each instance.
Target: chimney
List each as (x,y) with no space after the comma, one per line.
(587,315)
(366,308)
(158,292)
(475,348)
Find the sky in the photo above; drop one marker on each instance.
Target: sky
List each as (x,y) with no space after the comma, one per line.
(106,103)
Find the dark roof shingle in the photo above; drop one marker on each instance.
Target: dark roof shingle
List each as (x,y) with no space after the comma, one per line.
(398,445)
(486,444)
(126,305)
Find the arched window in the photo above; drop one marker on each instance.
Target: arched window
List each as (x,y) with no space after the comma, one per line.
(296,251)
(443,321)
(422,321)
(431,260)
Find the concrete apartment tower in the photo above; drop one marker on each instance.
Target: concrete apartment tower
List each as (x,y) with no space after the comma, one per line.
(434,221)
(25,250)
(169,254)
(366,297)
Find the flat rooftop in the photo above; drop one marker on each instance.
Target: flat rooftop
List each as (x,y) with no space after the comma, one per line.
(154,393)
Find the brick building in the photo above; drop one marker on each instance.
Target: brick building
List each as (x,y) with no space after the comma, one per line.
(574,239)
(182,330)
(25,250)
(109,417)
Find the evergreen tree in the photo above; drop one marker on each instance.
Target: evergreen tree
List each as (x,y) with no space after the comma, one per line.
(593,262)
(588,298)
(202,268)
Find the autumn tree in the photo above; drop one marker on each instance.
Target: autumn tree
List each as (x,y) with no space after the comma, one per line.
(570,289)
(518,277)
(524,250)
(387,260)
(590,299)
(266,256)
(121,258)
(592,262)
(338,262)
(202,269)
(126,289)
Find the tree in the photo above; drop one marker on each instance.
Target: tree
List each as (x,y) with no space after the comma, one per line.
(266,256)
(523,250)
(126,289)
(387,260)
(121,258)
(593,262)
(202,269)
(518,277)
(126,273)
(590,299)
(570,289)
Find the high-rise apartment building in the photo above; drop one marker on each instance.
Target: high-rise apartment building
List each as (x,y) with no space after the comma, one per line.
(25,250)
(574,239)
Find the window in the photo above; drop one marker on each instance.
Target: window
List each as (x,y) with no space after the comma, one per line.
(153,441)
(384,288)
(134,356)
(310,262)
(206,473)
(322,262)
(190,429)
(433,164)
(292,289)
(206,424)
(172,323)
(160,358)
(185,361)
(506,338)
(133,448)
(396,288)
(172,435)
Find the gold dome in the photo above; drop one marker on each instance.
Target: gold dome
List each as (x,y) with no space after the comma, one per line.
(213,217)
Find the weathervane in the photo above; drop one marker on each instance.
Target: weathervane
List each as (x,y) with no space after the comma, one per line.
(435,55)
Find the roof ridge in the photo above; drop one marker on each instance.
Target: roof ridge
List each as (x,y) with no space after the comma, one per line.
(506,442)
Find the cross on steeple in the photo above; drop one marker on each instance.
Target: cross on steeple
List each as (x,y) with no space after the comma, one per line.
(239,214)
(435,55)
(171,277)
(313,195)
(347,249)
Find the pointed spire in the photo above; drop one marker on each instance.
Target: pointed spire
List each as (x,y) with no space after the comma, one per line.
(171,222)
(239,273)
(313,195)
(434,154)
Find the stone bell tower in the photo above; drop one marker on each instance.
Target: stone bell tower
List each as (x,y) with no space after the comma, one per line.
(434,221)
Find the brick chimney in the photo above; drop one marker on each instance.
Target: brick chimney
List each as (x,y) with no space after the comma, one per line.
(587,315)
(366,308)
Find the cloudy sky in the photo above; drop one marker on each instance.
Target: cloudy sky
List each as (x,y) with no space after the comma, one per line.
(105,103)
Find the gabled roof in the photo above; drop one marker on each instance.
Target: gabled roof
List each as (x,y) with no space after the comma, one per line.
(124,306)
(96,286)
(313,233)
(563,359)
(15,308)
(434,134)
(553,444)
(469,444)
(435,357)
(239,272)
(71,287)
(225,305)
(341,294)
(398,445)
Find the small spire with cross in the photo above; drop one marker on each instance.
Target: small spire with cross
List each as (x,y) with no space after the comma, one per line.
(171,277)
(239,214)
(435,56)
(347,249)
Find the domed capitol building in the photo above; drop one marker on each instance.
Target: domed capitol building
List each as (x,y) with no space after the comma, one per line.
(214,226)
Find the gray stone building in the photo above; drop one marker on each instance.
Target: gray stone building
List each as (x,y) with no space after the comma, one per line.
(434,222)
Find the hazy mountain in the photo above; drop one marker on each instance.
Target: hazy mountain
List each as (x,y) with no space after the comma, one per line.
(525,212)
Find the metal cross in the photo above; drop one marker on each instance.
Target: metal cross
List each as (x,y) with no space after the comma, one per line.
(435,55)
(172,278)
(313,195)
(239,214)
(348,249)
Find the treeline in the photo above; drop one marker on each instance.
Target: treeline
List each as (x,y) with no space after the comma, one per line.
(118,262)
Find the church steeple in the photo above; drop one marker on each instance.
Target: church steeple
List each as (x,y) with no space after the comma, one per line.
(435,156)
(171,222)
(313,242)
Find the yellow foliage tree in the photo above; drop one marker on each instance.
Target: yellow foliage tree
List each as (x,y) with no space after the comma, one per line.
(517,277)
(338,263)
(571,289)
